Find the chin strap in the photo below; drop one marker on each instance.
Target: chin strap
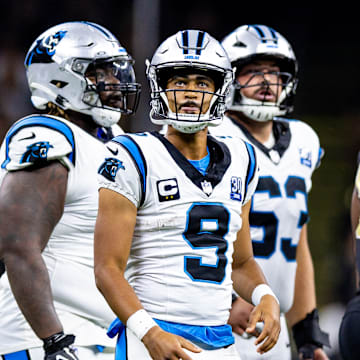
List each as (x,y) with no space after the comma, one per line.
(307,332)
(105,117)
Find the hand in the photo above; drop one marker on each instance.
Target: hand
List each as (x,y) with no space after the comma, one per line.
(268,312)
(58,346)
(165,346)
(239,315)
(311,352)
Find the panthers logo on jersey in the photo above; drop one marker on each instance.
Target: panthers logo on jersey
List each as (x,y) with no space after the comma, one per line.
(44,49)
(110,167)
(36,152)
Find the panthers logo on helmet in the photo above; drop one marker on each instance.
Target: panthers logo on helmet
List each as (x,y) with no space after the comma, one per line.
(36,152)
(44,49)
(110,167)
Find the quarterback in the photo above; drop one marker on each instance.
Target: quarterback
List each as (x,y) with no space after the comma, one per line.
(81,79)
(288,153)
(172,234)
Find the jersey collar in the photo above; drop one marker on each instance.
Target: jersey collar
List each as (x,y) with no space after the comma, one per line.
(282,134)
(220,160)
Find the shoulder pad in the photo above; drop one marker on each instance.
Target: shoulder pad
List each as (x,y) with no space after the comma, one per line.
(38,139)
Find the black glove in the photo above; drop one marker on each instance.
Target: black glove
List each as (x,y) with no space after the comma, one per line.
(307,351)
(58,346)
(308,336)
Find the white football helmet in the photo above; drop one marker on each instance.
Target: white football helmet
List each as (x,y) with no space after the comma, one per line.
(57,64)
(198,52)
(248,43)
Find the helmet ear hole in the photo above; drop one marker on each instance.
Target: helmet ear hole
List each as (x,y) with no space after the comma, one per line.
(58,83)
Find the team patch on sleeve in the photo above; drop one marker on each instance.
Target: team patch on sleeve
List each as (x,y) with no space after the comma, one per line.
(305,157)
(110,167)
(37,139)
(236,188)
(36,152)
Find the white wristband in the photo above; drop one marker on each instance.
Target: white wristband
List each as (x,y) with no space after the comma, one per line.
(260,291)
(140,322)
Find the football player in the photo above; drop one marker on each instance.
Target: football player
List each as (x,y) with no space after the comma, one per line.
(175,211)
(81,79)
(289,151)
(349,338)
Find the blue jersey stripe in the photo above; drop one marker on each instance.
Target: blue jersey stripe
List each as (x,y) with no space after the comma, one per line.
(117,328)
(19,355)
(121,352)
(207,337)
(43,121)
(136,154)
(251,167)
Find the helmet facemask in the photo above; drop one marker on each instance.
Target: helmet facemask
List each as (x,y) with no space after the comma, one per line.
(274,94)
(110,89)
(166,107)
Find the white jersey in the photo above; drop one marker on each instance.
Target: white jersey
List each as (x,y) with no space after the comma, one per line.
(279,205)
(69,252)
(181,254)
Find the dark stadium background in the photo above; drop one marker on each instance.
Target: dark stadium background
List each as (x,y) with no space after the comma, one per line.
(326,42)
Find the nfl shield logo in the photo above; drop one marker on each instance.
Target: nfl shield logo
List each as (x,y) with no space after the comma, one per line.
(206,187)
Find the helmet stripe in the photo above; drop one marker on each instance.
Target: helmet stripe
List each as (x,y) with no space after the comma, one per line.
(259,31)
(101,29)
(185,40)
(273,33)
(199,43)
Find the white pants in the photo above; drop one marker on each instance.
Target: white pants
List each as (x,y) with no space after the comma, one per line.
(134,349)
(83,353)
(281,351)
